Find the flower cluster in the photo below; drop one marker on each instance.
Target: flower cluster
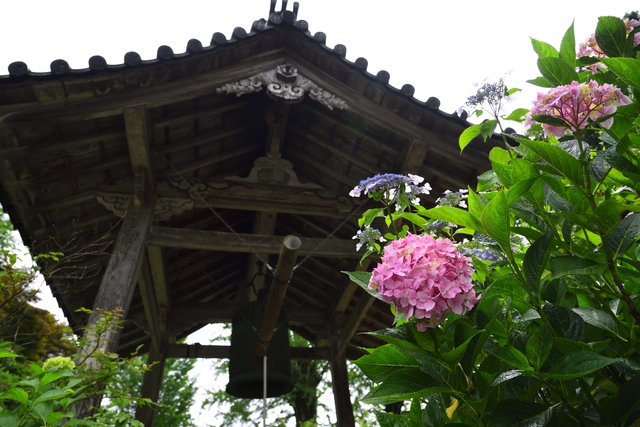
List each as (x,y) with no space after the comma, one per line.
(575,104)
(489,94)
(368,237)
(58,362)
(454,198)
(590,47)
(425,278)
(389,186)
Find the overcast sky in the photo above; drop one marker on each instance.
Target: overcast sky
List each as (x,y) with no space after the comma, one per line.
(440,47)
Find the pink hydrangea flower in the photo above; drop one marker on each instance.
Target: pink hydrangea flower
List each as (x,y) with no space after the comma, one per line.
(425,278)
(575,103)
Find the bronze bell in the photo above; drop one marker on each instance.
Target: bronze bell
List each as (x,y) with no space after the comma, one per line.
(246,368)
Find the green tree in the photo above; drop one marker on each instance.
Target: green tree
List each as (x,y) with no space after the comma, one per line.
(177,393)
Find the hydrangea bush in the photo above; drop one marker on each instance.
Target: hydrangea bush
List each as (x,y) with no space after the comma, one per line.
(517,302)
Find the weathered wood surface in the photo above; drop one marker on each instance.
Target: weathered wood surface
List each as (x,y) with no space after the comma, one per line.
(151,384)
(340,385)
(197,351)
(228,242)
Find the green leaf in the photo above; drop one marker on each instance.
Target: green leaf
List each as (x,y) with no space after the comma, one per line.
(569,265)
(455,355)
(50,395)
(488,128)
(597,318)
(17,394)
(468,135)
(579,364)
(506,376)
(541,82)
(401,336)
(383,361)
(624,235)
(516,413)
(368,217)
(562,162)
(543,48)
(511,356)
(517,115)
(392,420)
(611,36)
(496,219)
(539,346)
(565,323)
(404,384)
(554,121)
(627,69)
(508,286)
(360,278)
(7,353)
(556,71)
(450,214)
(535,260)
(568,47)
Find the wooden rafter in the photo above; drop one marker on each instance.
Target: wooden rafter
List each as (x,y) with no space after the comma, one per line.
(229,242)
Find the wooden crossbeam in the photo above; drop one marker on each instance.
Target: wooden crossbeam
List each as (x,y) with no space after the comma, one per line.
(353,322)
(229,242)
(198,351)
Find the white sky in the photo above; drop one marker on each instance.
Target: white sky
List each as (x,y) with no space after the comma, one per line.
(440,47)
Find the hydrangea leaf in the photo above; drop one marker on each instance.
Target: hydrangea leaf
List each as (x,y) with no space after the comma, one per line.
(485,129)
(624,235)
(535,260)
(539,346)
(17,394)
(511,356)
(543,48)
(383,361)
(541,82)
(611,35)
(404,384)
(562,266)
(568,47)
(565,323)
(506,376)
(516,413)
(627,69)
(556,71)
(495,220)
(562,162)
(579,364)
(597,318)
(517,115)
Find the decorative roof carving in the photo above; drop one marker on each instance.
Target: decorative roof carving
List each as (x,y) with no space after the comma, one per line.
(273,171)
(284,84)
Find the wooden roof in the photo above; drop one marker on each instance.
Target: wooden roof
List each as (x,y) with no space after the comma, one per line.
(264,133)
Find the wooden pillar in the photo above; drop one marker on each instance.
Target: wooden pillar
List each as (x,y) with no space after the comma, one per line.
(340,384)
(116,290)
(151,384)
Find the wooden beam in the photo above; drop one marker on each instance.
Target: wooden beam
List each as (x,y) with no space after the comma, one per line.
(150,305)
(228,242)
(185,315)
(222,352)
(151,383)
(351,326)
(137,128)
(281,278)
(121,275)
(264,224)
(117,287)
(413,157)
(340,385)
